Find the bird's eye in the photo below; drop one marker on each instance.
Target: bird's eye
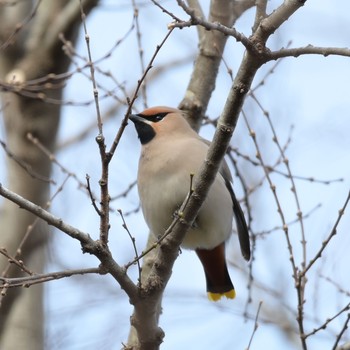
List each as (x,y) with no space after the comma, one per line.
(157,117)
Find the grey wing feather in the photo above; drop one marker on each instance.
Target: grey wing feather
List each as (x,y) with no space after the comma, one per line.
(242,228)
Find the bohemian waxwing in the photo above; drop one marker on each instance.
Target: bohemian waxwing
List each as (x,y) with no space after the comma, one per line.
(171,151)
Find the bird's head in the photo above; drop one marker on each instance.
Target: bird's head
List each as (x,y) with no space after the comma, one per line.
(160,121)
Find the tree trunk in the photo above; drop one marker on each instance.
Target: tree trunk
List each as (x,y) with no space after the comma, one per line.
(32,52)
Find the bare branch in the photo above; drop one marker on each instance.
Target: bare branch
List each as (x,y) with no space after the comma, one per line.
(260,13)
(196,6)
(13,260)
(328,239)
(69,16)
(27,167)
(341,333)
(96,248)
(41,278)
(273,189)
(293,186)
(141,51)
(92,70)
(309,50)
(211,47)
(131,101)
(280,15)
(256,325)
(92,198)
(71,231)
(178,217)
(20,26)
(166,11)
(137,259)
(328,321)
(195,20)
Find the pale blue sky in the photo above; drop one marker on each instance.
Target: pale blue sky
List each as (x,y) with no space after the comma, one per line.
(310,93)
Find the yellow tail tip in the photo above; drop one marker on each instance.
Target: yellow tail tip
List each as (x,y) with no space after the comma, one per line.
(231,294)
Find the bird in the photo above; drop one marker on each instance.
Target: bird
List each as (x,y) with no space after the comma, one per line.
(170,152)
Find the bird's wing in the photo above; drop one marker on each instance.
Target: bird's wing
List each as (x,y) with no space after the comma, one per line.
(242,228)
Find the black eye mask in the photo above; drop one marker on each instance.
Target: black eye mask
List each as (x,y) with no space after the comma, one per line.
(155,118)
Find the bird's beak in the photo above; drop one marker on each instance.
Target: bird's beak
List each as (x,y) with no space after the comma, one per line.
(143,127)
(135,118)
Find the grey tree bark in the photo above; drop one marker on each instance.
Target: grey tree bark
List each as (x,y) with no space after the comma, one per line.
(30,50)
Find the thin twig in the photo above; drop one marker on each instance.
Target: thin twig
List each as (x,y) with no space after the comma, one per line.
(286,231)
(71,231)
(141,52)
(289,175)
(105,159)
(28,168)
(339,288)
(97,248)
(92,198)
(132,238)
(256,325)
(41,278)
(340,334)
(124,122)
(76,57)
(92,70)
(196,20)
(269,72)
(14,260)
(177,19)
(289,223)
(260,13)
(328,321)
(178,217)
(327,240)
(309,50)
(125,192)
(20,26)
(30,229)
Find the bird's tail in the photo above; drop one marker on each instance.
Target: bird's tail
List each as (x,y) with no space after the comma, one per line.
(218,280)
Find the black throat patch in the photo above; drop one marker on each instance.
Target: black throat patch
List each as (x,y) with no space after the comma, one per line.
(144,131)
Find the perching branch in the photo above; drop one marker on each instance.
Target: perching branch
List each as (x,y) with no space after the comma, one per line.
(87,243)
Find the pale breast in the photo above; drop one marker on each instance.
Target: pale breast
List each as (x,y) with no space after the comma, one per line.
(164,185)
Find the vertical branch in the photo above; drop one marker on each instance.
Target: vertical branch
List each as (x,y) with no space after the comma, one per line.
(141,52)
(105,159)
(131,101)
(92,70)
(196,6)
(256,325)
(340,334)
(206,67)
(300,278)
(266,170)
(260,13)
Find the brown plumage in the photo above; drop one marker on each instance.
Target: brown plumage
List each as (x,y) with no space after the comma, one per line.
(171,151)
